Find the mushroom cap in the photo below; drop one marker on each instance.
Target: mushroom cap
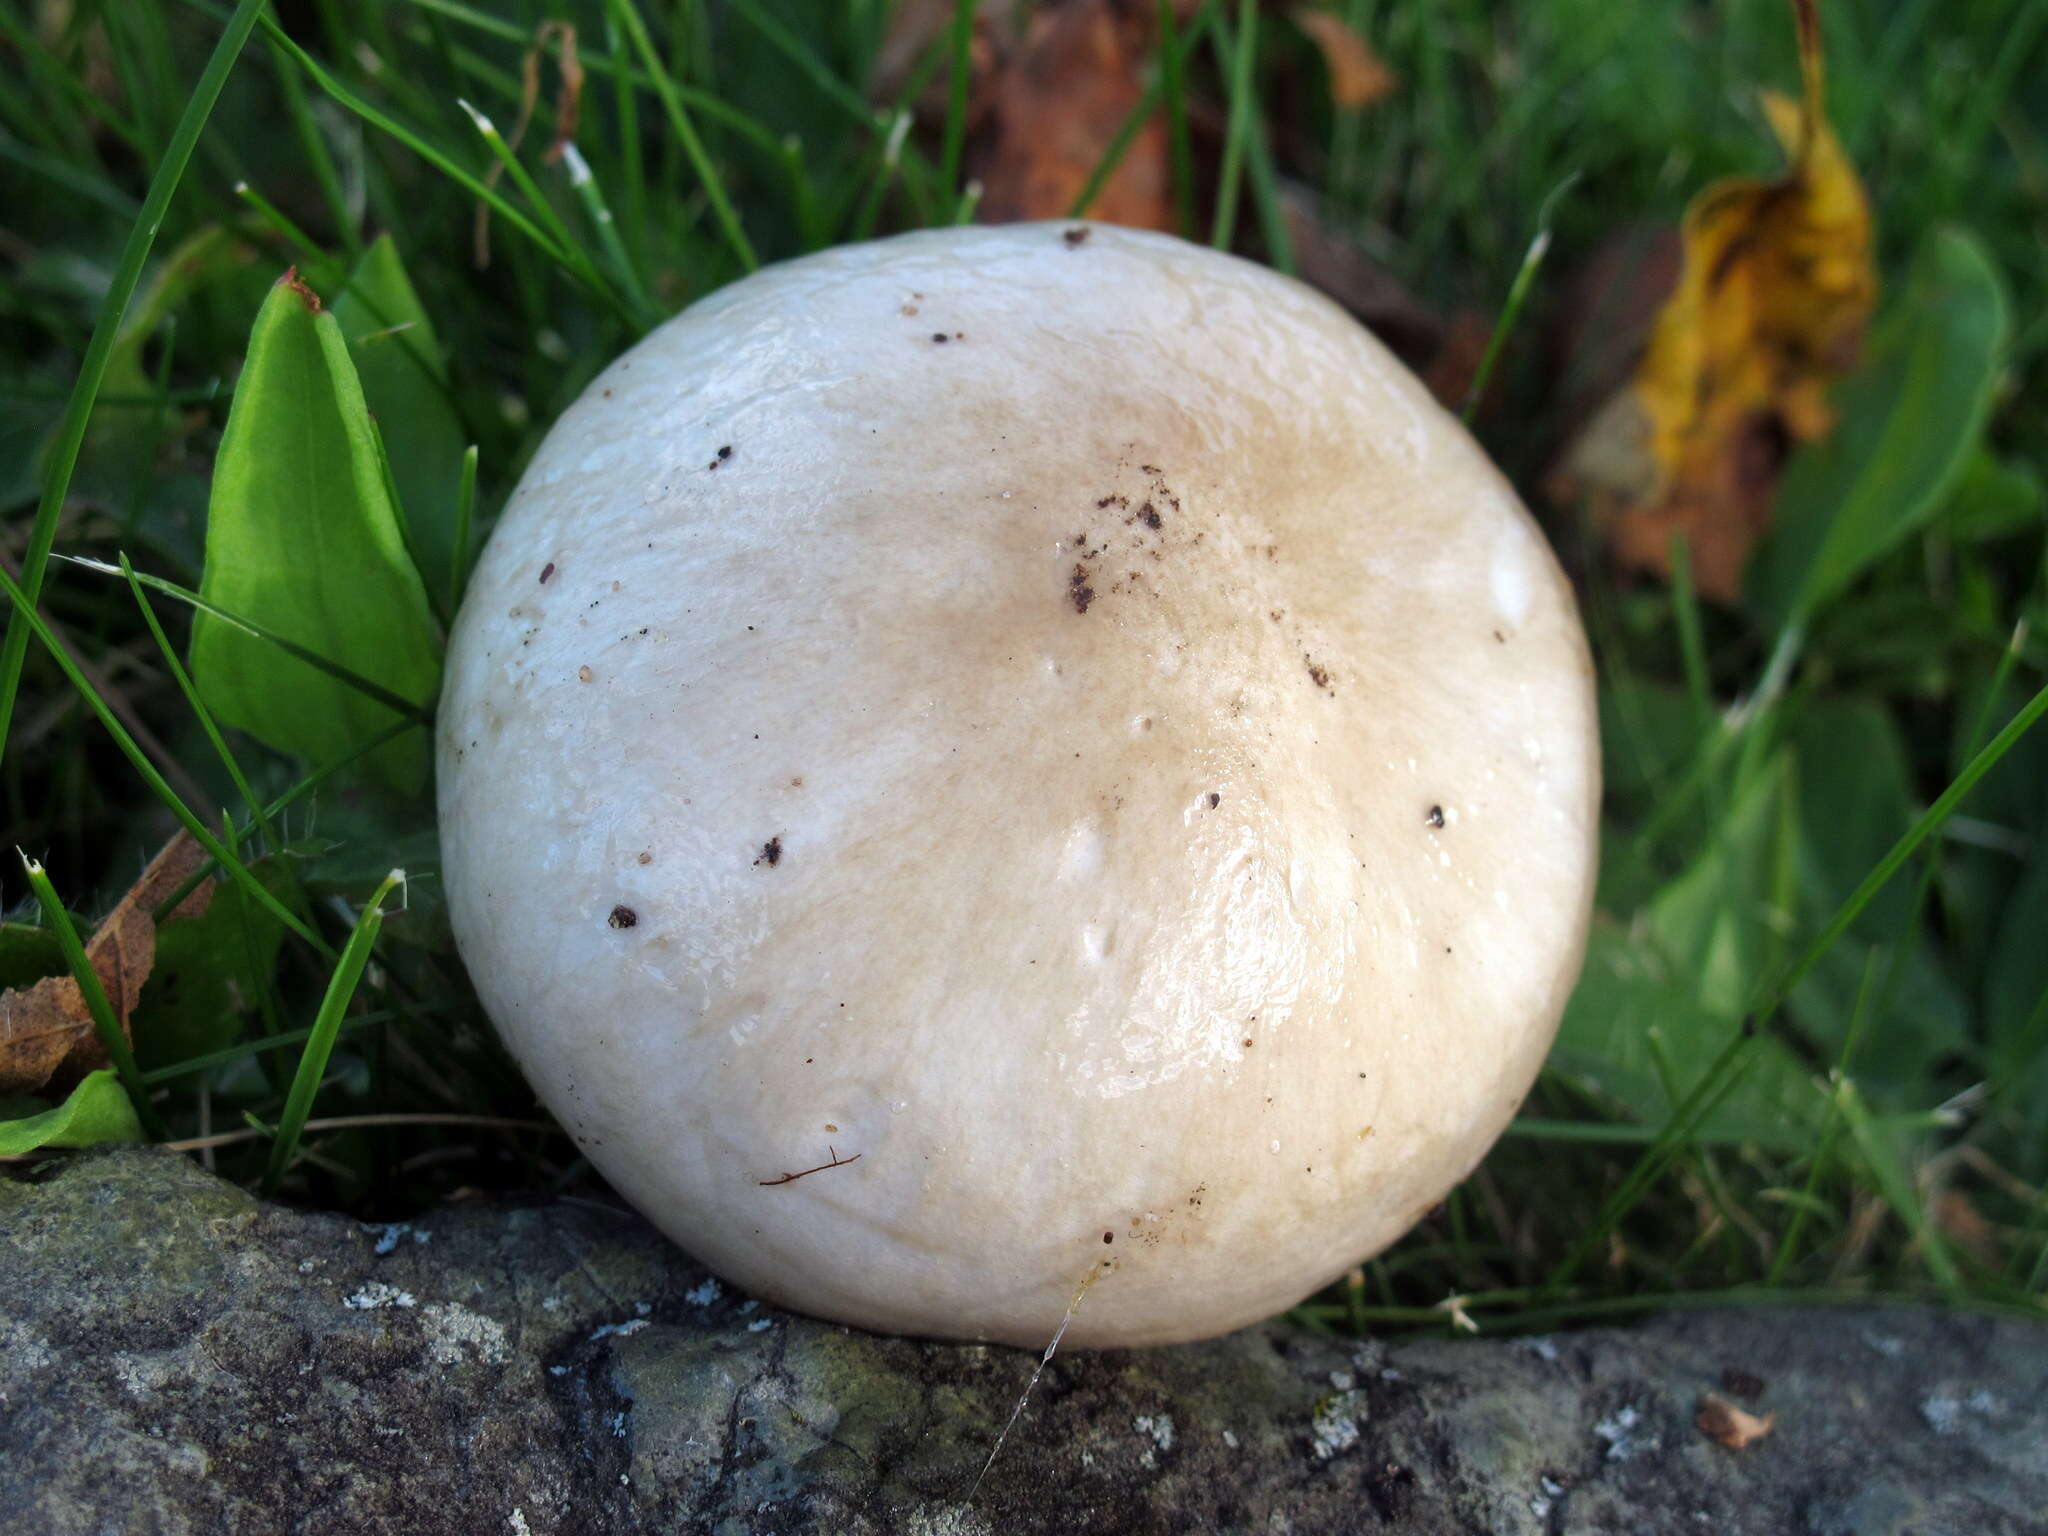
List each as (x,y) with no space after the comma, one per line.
(1055,740)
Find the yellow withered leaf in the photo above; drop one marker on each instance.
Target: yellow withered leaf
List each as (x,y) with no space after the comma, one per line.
(1776,285)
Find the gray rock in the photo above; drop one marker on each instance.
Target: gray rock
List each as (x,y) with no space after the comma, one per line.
(176,1356)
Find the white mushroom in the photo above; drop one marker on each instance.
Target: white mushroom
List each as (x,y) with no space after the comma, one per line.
(987,755)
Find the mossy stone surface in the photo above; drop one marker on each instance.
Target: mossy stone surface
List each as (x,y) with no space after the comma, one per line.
(176,1356)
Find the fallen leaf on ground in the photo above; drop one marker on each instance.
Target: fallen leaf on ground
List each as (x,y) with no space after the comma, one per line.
(1727,1425)
(1776,285)
(46,1028)
(1327,259)
(1358,76)
(1455,364)
(1050,104)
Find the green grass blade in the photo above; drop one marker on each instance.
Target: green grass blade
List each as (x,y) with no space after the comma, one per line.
(1788,1245)
(341,989)
(959,69)
(578,260)
(306,247)
(583,182)
(1928,822)
(191,1066)
(278,807)
(63,173)
(1518,296)
(204,715)
(63,457)
(1155,92)
(113,1039)
(679,122)
(25,613)
(1239,54)
(391,127)
(1692,645)
(1174,96)
(465,518)
(314,144)
(1897,1187)
(1714,1084)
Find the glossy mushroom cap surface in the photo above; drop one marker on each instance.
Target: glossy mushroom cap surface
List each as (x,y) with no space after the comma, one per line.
(1047,734)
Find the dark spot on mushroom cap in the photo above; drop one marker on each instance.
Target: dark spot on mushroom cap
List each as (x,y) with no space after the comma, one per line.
(1247,1042)
(1318,674)
(1075,236)
(1109,1237)
(623,917)
(725,452)
(1436,816)
(1078,589)
(771,852)
(941,337)
(1148,515)
(546,571)
(1214,799)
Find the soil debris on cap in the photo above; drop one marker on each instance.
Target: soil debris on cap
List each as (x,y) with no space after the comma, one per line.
(1078,589)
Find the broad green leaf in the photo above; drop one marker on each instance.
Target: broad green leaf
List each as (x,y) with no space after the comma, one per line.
(1855,799)
(1994,499)
(97,1110)
(1648,733)
(209,969)
(1634,1017)
(405,384)
(2017,979)
(1719,920)
(302,537)
(1909,420)
(1899,1051)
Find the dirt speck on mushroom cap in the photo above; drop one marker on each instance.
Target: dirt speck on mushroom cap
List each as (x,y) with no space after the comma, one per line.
(1047,925)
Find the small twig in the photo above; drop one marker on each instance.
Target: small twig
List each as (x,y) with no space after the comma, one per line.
(362,1122)
(791,1178)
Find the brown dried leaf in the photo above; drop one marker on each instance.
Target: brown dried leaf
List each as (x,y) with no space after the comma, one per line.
(1328,260)
(1727,1425)
(1776,284)
(568,105)
(1959,1220)
(47,1029)
(1050,105)
(1358,76)
(1455,365)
